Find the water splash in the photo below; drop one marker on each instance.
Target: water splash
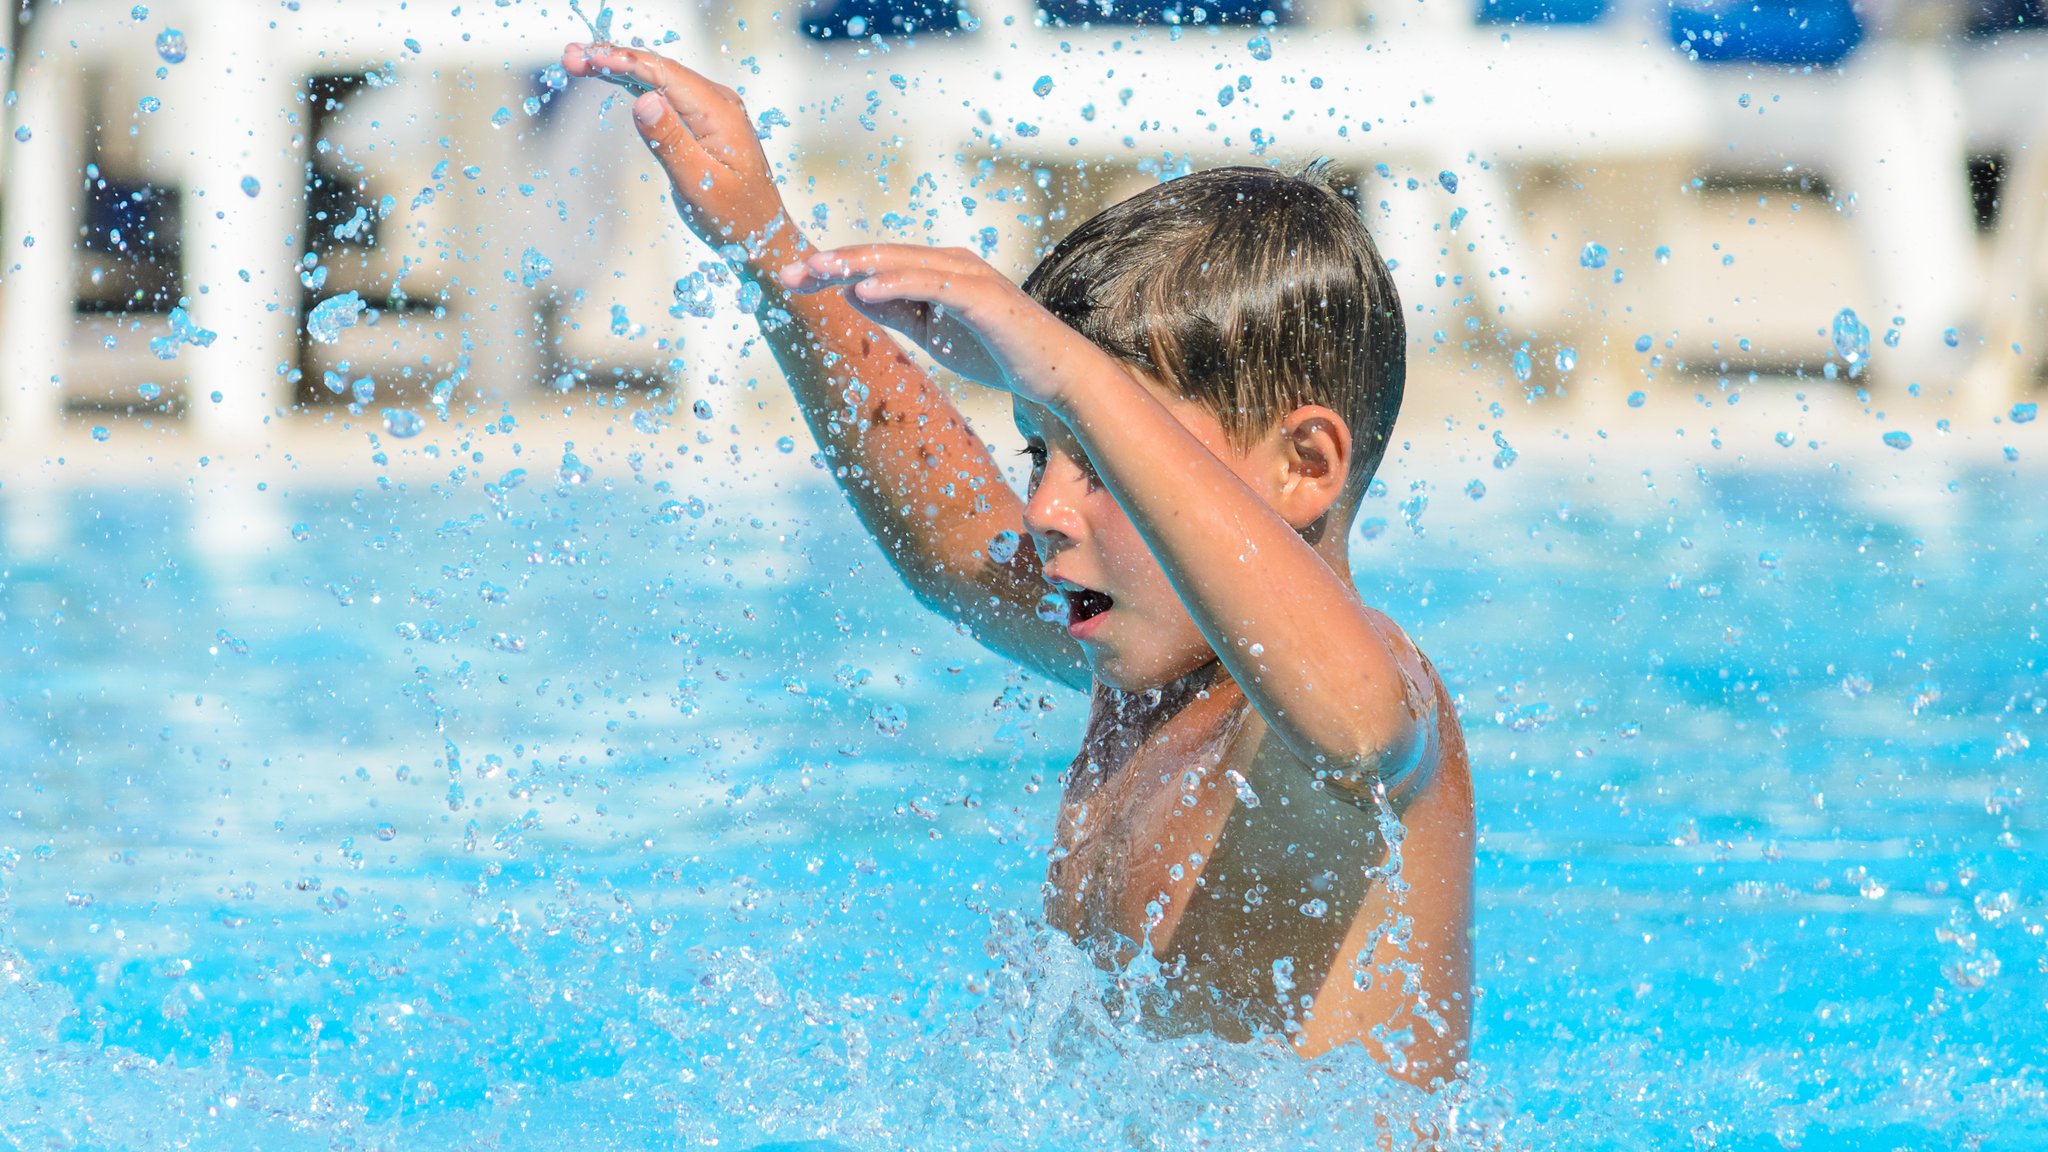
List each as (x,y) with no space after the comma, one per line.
(1593,256)
(534,267)
(329,317)
(1851,340)
(184,331)
(1898,440)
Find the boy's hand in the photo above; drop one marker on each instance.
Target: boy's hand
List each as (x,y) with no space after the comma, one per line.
(700,132)
(961,311)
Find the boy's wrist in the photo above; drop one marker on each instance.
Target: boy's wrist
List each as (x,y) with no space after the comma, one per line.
(764,252)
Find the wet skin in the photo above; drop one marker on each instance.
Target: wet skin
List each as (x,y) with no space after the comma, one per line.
(1157,841)
(1177,548)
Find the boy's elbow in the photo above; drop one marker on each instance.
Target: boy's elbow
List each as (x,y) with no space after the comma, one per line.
(1391,759)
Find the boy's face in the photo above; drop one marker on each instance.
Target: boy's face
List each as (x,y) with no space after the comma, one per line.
(1131,624)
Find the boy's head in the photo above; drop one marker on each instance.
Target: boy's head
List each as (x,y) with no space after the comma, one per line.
(1249,292)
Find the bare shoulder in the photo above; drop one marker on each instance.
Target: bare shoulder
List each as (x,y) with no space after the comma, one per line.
(1441,750)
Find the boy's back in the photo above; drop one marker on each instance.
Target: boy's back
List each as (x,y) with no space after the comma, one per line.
(1272,793)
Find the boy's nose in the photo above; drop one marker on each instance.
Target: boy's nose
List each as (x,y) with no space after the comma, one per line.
(1050,519)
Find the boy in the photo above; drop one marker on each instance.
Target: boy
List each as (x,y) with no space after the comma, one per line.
(1206,376)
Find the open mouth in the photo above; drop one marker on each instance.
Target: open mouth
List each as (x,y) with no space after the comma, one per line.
(1085,604)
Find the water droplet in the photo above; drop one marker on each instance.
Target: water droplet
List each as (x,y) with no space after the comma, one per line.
(1899,440)
(413,46)
(1522,365)
(100,433)
(1851,339)
(325,322)
(1448,179)
(1002,547)
(1951,337)
(2025,413)
(1567,359)
(693,297)
(302,531)
(534,267)
(1663,254)
(1052,608)
(1767,560)
(1636,399)
(402,423)
(170,44)
(1260,47)
(555,77)
(149,391)
(251,186)
(1225,95)
(1476,489)
(501,117)
(786,445)
(1642,343)
(1742,101)
(149,104)
(701,409)
(1315,909)
(386,832)
(888,719)
(1784,439)
(1042,86)
(139,13)
(1245,795)
(1593,256)
(22,134)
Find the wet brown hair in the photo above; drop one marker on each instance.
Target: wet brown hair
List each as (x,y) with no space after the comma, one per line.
(1248,291)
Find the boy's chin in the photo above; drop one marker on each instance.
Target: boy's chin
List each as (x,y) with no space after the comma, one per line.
(1132,672)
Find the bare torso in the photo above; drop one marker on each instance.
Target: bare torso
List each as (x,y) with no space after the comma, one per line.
(1270,891)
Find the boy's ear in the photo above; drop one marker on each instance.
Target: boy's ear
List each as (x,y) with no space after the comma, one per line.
(1315,450)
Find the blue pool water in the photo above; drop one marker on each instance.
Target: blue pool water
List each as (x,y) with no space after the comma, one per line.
(596,817)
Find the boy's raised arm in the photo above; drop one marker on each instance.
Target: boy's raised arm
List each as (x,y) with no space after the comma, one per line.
(1338,683)
(921,481)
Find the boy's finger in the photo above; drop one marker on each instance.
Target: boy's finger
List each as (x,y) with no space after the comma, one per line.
(692,94)
(846,265)
(686,161)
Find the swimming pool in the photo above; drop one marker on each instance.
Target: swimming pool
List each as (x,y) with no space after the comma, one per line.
(574,813)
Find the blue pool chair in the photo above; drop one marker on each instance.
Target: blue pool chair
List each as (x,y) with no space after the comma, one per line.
(1541,11)
(859,19)
(1787,32)
(1114,12)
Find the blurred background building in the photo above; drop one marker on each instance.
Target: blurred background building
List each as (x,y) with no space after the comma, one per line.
(248,220)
